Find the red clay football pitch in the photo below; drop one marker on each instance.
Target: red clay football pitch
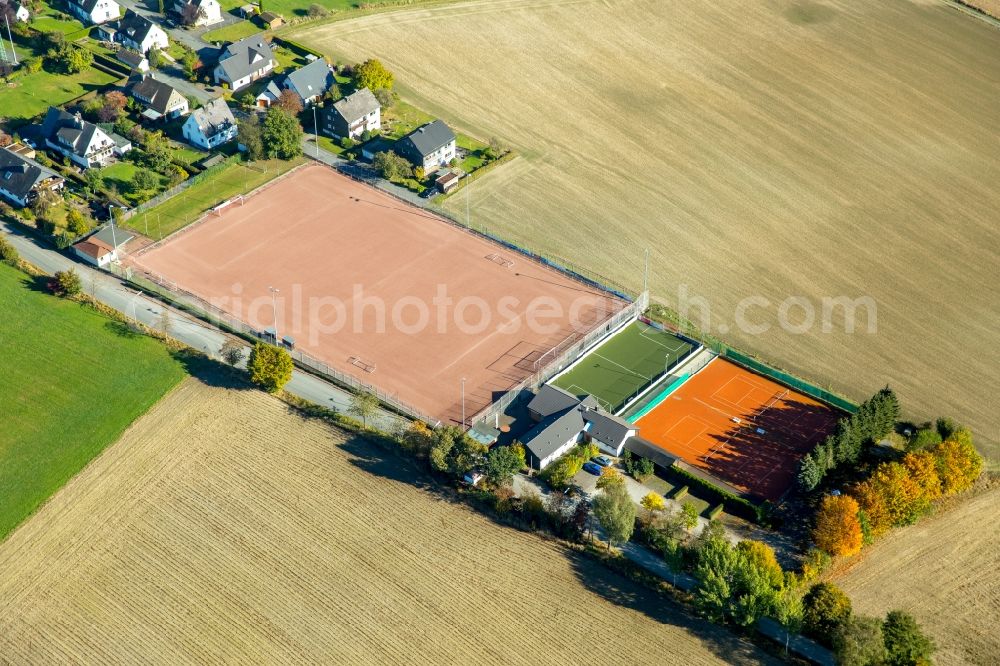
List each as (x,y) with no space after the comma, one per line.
(381,290)
(739,427)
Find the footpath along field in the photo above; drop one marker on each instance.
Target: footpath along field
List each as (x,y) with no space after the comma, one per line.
(223,527)
(770,149)
(73,380)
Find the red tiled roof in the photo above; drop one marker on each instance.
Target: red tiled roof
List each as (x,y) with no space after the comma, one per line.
(93,247)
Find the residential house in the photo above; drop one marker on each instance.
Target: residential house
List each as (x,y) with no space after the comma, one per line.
(353,115)
(208,11)
(272,20)
(210,126)
(140,34)
(107,33)
(429,146)
(84,143)
(249,11)
(565,420)
(137,62)
(310,82)
(94,12)
(268,96)
(22,178)
(160,99)
(21,13)
(243,62)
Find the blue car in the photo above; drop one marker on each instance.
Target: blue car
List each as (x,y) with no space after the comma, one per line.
(603,461)
(593,468)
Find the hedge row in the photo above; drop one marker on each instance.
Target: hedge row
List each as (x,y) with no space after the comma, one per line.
(733,504)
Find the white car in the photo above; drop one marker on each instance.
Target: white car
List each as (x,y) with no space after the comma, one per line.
(472,479)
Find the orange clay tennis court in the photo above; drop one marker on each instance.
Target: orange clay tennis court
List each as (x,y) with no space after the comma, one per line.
(760,454)
(341,252)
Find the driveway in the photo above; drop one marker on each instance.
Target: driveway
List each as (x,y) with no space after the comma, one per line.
(191,331)
(361,171)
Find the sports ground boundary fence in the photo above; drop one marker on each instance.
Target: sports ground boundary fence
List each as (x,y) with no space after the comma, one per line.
(573,347)
(155,284)
(754,365)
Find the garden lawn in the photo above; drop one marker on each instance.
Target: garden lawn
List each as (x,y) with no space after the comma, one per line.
(231,33)
(72,384)
(187,206)
(31,94)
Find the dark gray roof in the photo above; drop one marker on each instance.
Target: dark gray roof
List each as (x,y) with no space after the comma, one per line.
(18,175)
(356,106)
(312,79)
(427,138)
(68,130)
(237,59)
(606,427)
(120,235)
(272,90)
(551,399)
(157,92)
(646,449)
(545,439)
(135,26)
(130,58)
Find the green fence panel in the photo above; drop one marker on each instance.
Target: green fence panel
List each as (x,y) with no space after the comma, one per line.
(791,381)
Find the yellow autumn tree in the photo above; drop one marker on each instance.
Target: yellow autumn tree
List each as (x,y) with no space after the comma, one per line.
(958,462)
(871,501)
(761,556)
(922,467)
(838,529)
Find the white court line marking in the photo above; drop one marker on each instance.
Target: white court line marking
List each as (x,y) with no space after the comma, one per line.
(622,367)
(673,350)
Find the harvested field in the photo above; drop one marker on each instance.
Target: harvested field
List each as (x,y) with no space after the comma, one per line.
(774,149)
(944,570)
(224,528)
(382,290)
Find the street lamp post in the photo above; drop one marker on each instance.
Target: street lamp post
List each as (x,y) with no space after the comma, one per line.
(274,312)
(463,402)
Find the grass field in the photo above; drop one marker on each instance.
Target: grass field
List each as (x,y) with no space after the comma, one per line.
(769,149)
(624,365)
(31,94)
(71,384)
(186,207)
(946,571)
(222,527)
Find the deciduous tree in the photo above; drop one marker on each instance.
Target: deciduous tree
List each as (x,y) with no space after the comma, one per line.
(248,134)
(859,642)
(373,75)
(502,463)
(610,477)
(838,529)
(231,352)
(653,503)
(364,405)
(270,367)
(290,102)
(281,134)
(824,609)
(615,511)
(958,463)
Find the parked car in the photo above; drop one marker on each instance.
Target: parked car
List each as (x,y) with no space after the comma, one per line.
(428,193)
(472,479)
(593,468)
(603,461)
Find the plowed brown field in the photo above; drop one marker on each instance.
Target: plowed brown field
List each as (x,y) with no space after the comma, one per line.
(223,528)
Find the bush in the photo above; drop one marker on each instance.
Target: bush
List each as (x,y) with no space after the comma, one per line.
(924,438)
(347,143)
(317,11)
(66,283)
(559,473)
(8,253)
(825,608)
(270,367)
(680,493)
(715,511)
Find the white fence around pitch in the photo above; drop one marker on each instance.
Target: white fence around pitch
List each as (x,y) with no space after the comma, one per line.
(200,307)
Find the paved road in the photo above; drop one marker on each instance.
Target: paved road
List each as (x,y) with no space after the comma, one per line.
(361,171)
(191,331)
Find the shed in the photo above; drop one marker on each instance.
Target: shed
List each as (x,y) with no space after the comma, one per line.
(447,182)
(272,20)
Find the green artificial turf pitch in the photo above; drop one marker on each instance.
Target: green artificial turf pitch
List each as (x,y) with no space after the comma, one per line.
(624,365)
